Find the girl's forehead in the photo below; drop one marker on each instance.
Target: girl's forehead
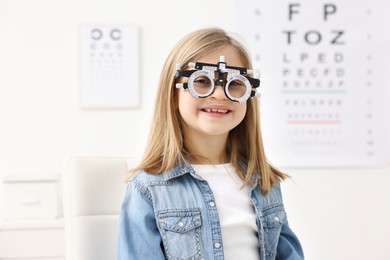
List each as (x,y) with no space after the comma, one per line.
(232,58)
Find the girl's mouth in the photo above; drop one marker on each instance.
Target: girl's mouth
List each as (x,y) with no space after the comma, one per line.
(214,110)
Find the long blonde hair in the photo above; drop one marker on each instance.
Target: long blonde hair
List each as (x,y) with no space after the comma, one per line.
(165,148)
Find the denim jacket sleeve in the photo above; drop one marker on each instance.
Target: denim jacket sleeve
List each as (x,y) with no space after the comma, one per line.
(138,236)
(289,247)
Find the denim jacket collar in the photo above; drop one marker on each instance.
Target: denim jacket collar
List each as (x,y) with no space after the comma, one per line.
(180,170)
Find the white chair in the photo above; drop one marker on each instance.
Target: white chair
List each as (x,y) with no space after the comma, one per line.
(93,189)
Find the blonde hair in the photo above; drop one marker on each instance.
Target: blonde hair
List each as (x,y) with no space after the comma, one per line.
(165,148)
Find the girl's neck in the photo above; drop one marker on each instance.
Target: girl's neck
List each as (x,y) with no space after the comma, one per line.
(207,150)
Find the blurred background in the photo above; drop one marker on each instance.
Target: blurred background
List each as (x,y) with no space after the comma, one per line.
(80,77)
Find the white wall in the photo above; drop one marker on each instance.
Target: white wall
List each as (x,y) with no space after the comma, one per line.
(340,213)
(335,212)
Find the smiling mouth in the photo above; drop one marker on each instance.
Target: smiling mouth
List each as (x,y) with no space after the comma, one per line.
(220,111)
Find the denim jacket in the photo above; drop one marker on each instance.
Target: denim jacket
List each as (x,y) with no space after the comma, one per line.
(173,216)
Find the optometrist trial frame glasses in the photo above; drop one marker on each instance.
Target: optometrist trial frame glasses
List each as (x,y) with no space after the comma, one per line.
(201,83)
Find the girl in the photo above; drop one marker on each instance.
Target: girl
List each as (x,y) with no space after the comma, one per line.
(204,189)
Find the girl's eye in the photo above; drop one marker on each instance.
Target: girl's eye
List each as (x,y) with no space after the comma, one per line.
(236,83)
(202,82)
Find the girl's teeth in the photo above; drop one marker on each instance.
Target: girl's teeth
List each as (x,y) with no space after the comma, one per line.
(209,110)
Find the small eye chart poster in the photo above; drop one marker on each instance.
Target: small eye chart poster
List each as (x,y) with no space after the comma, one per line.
(324,69)
(109,66)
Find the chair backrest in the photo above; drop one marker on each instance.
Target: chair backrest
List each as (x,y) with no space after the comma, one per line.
(93,189)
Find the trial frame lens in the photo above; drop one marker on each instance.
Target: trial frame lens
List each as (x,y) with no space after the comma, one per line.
(201,83)
(238,88)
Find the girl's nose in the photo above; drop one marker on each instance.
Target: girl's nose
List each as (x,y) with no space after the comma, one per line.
(218,93)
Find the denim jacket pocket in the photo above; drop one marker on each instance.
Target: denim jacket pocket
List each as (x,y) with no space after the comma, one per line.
(273,219)
(181,234)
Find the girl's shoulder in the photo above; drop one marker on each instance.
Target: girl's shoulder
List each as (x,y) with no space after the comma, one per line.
(151,179)
(142,176)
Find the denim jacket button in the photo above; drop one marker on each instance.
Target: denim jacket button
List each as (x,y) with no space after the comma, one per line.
(260,214)
(217,245)
(180,224)
(212,204)
(276,219)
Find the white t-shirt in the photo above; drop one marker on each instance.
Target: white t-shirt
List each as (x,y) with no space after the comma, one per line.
(235,210)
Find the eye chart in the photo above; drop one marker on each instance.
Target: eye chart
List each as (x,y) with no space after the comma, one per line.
(324,69)
(109,66)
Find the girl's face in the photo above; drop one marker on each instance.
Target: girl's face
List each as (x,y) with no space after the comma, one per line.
(215,115)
